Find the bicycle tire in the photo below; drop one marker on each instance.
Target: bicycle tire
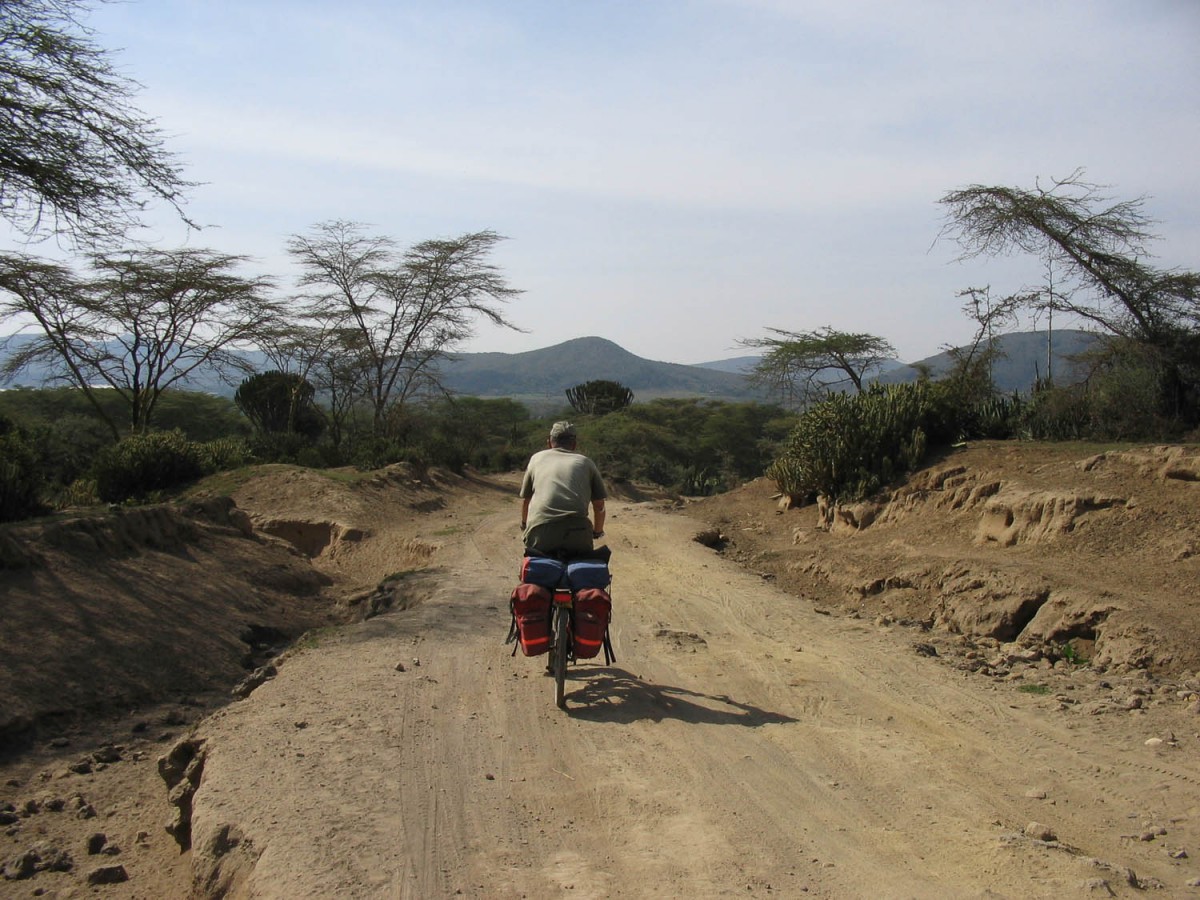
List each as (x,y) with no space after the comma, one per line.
(561,641)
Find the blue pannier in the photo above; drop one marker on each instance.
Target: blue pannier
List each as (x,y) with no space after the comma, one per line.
(541,570)
(588,573)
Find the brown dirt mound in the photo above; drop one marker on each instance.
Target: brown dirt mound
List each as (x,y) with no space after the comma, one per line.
(1040,544)
(110,611)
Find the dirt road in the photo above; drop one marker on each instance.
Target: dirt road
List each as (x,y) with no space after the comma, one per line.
(744,744)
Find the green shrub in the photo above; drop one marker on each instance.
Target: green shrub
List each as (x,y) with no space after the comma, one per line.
(1120,400)
(224,454)
(142,464)
(1056,414)
(21,478)
(688,445)
(851,445)
(378,452)
(80,492)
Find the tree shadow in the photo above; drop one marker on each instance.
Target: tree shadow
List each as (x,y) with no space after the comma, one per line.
(615,695)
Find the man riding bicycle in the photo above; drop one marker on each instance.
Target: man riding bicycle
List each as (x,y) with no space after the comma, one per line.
(559,486)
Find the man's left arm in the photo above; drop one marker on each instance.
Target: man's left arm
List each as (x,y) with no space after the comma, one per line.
(599,493)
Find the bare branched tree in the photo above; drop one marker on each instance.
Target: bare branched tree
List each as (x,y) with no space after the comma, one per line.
(407,310)
(1097,247)
(141,322)
(76,158)
(1097,243)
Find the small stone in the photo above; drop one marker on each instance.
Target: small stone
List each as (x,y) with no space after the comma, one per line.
(109,753)
(1040,832)
(1178,854)
(52,859)
(300,724)
(1154,742)
(1146,836)
(400,667)
(490,777)
(108,875)
(416,662)
(1035,794)
(1133,702)
(96,843)
(21,866)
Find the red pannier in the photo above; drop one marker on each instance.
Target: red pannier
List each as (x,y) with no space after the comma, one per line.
(531,618)
(593,608)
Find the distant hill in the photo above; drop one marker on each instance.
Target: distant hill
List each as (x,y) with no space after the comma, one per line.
(1022,360)
(540,378)
(550,371)
(537,377)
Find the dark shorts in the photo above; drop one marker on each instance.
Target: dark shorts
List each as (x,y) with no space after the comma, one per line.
(572,535)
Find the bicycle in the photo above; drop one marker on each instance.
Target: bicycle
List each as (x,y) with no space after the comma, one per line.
(578,614)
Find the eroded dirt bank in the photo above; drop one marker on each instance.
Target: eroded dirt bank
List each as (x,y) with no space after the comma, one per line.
(1084,556)
(770,727)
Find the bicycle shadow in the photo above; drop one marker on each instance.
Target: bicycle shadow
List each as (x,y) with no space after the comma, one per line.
(615,695)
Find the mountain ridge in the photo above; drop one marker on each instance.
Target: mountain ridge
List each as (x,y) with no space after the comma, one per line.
(541,377)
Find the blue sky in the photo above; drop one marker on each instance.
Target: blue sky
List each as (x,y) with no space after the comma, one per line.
(671,174)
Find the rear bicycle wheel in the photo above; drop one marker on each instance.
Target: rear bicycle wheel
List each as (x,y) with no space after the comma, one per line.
(559,663)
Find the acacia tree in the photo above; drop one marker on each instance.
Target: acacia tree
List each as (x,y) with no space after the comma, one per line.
(404,311)
(76,157)
(140,323)
(1099,246)
(800,367)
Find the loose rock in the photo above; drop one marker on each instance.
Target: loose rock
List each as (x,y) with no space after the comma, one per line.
(1040,832)
(108,875)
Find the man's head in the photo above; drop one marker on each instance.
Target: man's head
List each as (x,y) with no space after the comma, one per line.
(562,434)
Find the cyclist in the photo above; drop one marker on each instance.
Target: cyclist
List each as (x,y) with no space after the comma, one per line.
(559,486)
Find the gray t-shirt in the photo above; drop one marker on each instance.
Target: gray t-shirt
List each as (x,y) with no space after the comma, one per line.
(561,484)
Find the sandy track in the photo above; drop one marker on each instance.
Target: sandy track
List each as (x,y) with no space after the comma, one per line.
(743,744)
